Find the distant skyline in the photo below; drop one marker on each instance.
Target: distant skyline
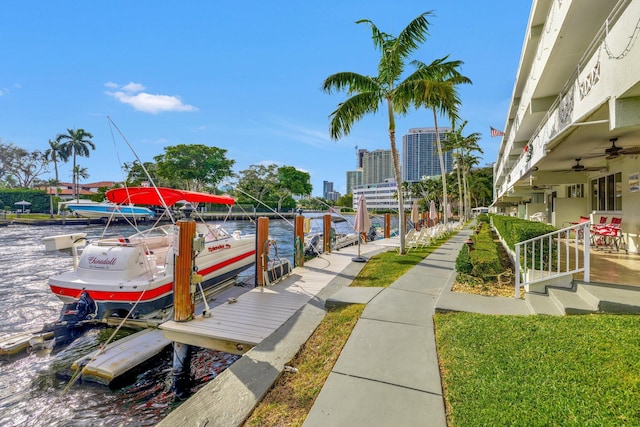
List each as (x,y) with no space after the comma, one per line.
(243,77)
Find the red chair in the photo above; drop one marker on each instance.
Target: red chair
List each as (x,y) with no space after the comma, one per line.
(609,235)
(583,219)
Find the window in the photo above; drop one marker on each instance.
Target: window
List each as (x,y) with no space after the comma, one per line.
(606,193)
(575,191)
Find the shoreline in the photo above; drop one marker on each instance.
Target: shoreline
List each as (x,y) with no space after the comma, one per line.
(207,216)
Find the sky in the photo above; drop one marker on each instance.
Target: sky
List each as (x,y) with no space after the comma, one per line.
(242,76)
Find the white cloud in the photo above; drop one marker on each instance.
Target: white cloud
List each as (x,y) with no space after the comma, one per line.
(146,102)
(132,87)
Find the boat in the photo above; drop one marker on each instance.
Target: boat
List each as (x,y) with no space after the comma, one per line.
(133,275)
(107,210)
(342,235)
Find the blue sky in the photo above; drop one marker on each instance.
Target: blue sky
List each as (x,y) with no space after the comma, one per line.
(242,76)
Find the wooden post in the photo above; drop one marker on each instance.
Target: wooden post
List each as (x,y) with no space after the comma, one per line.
(262,236)
(298,242)
(326,234)
(387,225)
(183,301)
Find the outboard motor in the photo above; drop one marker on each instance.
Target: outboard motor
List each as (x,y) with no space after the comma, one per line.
(70,324)
(312,246)
(372,235)
(82,309)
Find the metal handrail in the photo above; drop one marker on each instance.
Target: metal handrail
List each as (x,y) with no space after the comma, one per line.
(548,256)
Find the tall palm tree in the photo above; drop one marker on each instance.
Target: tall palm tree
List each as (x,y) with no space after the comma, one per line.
(76,143)
(368,93)
(435,88)
(462,146)
(55,154)
(469,162)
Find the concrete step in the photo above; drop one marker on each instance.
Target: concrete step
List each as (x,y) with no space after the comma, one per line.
(619,299)
(541,304)
(569,302)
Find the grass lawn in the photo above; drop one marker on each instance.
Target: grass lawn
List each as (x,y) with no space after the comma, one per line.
(292,395)
(540,370)
(385,268)
(496,370)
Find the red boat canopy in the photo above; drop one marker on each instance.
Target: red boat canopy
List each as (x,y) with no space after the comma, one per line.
(155,196)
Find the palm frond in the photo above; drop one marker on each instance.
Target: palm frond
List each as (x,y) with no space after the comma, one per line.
(349,82)
(379,38)
(413,35)
(351,111)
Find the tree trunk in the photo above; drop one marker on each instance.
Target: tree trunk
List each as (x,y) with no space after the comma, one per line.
(398,176)
(461,194)
(442,171)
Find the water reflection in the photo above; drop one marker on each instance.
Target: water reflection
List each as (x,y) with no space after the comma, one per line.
(33,388)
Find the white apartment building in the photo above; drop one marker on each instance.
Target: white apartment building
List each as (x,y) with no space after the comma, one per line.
(572,136)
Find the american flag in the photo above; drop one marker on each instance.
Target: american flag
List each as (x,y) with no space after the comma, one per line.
(496,132)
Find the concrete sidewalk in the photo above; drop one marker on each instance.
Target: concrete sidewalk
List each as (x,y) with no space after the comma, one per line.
(388,372)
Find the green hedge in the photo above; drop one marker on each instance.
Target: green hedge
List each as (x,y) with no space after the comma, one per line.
(463,261)
(484,256)
(514,230)
(39,199)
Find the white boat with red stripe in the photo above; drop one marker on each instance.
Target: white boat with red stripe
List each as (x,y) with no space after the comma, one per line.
(133,276)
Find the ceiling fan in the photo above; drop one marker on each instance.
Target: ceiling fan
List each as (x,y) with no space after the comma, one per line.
(579,167)
(614,151)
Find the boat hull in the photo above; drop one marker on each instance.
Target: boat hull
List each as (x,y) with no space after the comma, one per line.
(135,276)
(100,211)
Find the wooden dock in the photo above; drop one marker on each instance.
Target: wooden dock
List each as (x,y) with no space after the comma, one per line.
(238,326)
(240,319)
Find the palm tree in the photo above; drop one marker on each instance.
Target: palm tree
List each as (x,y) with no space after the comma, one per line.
(462,146)
(54,154)
(469,162)
(435,88)
(368,93)
(76,143)
(80,172)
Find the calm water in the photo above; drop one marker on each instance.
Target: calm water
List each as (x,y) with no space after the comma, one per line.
(32,388)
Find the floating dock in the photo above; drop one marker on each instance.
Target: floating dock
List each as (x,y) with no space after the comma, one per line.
(240,319)
(17,343)
(239,326)
(121,356)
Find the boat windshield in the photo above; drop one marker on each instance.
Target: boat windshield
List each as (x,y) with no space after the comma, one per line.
(211,232)
(162,231)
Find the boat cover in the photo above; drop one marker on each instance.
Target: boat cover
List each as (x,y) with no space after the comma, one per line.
(157,195)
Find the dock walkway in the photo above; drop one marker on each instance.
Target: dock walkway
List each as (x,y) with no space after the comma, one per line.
(245,322)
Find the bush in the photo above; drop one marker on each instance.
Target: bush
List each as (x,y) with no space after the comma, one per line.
(514,230)
(463,261)
(484,259)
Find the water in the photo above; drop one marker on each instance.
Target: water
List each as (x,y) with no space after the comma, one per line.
(32,390)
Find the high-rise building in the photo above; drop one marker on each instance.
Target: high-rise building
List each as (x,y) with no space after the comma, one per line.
(327,191)
(359,156)
(377,166)
(420,154)
(354,179)
(381,196)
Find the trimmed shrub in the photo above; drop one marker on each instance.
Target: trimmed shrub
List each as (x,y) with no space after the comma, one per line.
(463,262)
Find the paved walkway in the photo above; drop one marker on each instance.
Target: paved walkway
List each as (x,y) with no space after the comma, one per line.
(388,373)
